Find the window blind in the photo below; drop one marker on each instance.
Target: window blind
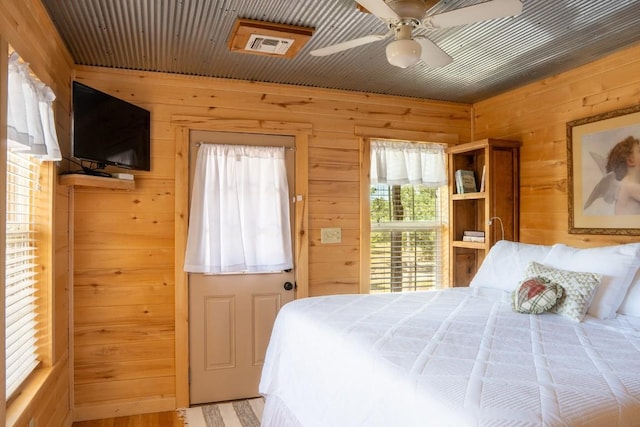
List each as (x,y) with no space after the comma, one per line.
(21,340)
(405,239)
(404,260)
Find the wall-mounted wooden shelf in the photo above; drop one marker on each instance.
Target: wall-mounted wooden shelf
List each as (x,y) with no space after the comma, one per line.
(82,180)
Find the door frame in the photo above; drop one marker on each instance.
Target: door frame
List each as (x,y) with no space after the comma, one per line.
(183,125)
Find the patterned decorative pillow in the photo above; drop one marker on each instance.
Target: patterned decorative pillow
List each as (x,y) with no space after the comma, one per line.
(579,289)
(536,295)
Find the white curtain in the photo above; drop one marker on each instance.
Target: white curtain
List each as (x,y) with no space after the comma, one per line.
(30,122)
(239,219)
(400,163)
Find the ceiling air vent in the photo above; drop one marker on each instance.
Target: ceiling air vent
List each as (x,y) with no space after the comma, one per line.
(265,44)
(264,38)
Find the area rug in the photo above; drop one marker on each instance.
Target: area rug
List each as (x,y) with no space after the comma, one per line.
(239,413)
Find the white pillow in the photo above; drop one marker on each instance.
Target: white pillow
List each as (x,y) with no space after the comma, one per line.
(504,266)
(631,304)
(617,264)
(578,288)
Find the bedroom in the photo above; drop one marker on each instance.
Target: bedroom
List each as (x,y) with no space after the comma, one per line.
(535,114)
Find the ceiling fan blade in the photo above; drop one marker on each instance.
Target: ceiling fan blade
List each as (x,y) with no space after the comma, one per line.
(479,12)
(380,9)
(432,55)
(324,51)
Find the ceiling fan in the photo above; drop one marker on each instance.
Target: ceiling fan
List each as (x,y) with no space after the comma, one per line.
(404,16)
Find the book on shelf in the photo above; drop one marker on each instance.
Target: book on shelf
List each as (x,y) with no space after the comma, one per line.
(473,239)
(475,233)
(482,179)
(465,181)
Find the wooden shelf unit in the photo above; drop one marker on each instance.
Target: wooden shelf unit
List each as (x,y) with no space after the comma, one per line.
(472,211)
(83,180)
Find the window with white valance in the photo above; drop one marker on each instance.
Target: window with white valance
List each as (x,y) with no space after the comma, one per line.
(407,182)
(239,217)
(31,138)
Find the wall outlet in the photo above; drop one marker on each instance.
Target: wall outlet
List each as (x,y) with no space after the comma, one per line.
(331,235)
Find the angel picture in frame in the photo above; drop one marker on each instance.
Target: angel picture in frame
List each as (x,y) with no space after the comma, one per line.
(604,173)
(620,182)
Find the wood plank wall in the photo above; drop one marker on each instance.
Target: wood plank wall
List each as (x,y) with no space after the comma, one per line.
(124,241)
(25,25)
(123,327)
(537,114)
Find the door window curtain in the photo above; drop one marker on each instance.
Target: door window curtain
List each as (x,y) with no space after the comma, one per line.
(30,120)
(239,217)
(401,163)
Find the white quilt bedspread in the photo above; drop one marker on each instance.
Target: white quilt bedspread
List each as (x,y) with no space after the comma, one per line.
(457,357)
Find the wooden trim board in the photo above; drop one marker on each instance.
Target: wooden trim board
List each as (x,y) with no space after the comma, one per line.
(182,125)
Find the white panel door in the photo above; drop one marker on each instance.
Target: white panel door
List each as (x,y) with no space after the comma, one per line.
(231,315)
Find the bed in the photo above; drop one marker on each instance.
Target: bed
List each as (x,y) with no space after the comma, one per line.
(463,356)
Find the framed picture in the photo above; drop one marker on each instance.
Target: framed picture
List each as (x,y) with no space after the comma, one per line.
(603,163)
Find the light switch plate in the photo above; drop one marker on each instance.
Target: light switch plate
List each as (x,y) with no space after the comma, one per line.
(331,235)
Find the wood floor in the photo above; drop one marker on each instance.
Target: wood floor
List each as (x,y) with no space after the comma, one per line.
(160,419)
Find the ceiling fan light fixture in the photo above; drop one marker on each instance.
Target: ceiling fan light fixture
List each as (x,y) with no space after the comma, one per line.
(403,53)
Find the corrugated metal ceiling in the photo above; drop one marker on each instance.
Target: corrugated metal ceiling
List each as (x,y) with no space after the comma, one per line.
(191,37)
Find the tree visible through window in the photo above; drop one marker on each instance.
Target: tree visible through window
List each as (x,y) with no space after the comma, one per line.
(405,238)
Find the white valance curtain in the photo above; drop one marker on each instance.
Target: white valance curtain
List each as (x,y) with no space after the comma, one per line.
(30,121)
(239,218)
(400,163)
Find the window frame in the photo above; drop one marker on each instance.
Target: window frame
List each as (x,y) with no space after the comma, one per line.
(44,208)
(4,71)
(366,135)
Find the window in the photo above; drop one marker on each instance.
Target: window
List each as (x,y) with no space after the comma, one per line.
(406,216)
(406,238)
(21,269)
(31,141)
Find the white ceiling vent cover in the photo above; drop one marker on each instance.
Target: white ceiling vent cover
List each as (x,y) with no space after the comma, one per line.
(268,44)
(267,38)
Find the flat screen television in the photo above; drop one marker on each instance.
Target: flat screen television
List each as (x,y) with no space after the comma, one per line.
(109,131)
